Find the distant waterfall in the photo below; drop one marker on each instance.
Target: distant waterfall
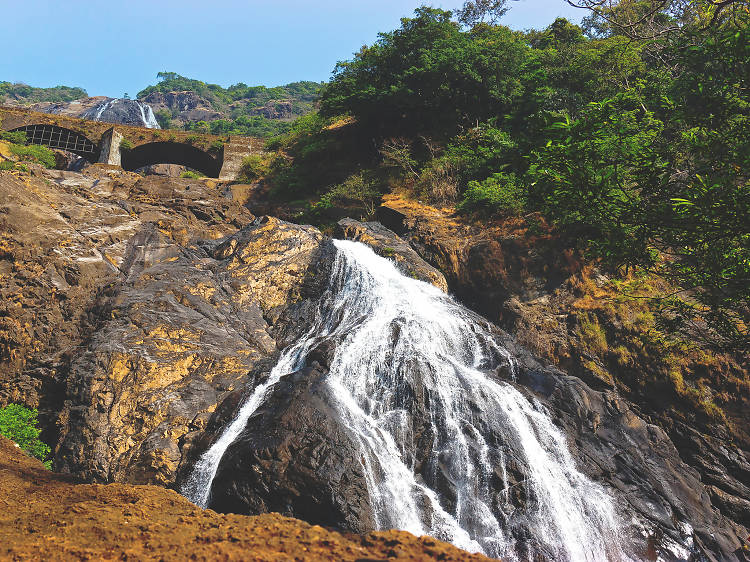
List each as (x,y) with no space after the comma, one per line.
(99,110)
(397,337)
(147,114)
(125,111)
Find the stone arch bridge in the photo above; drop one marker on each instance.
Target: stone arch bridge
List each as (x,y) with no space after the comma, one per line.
(133,147)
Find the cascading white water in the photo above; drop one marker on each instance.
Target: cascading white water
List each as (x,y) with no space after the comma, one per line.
(147,115)
(123,111)
(101,108)
(398,338)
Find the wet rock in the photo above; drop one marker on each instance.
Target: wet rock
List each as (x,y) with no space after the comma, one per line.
(524,283)
(136,313)
(295,457)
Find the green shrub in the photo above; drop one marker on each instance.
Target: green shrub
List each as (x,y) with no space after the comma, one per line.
(125,144)
(34,153)
(191,174)
(6,165)
(500,193)
(438,180)
(216,146)
(356,189)
(164,118)
(16,137)
(19,424)
(254,166)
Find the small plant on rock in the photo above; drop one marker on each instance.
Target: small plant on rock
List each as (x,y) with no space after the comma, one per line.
(19,424)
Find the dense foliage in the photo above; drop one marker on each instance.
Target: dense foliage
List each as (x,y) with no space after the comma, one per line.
(635,148)
(19,424)
(239,103)
(28,94)
(25,153)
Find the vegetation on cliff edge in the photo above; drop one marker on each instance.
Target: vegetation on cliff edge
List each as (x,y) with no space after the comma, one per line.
(635,147)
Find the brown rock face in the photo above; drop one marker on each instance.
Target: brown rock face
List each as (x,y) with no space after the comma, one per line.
(275,109)
(137,313)
(186,106)
(121,319)
(46,516)
(183,328)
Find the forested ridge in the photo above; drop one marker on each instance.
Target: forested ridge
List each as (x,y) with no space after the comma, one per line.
(237,104)
(628,135)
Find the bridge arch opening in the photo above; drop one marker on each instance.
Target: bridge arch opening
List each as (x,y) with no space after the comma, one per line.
(61,138)
(171,153)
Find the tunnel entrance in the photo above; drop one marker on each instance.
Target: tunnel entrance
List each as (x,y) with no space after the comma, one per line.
(61,138)
(171,153)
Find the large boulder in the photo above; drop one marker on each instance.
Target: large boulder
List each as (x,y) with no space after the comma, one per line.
(295,457)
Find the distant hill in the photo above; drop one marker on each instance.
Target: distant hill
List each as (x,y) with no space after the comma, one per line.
(181,102)
(188,104)
(25,94)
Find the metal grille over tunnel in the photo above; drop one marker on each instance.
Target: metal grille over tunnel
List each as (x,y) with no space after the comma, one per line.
(63,139)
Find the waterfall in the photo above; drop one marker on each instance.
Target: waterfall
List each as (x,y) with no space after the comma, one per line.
(147,115)
(125,111)
(101,108)
(398,338)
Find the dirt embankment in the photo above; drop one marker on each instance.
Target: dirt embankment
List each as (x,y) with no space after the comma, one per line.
(47,516)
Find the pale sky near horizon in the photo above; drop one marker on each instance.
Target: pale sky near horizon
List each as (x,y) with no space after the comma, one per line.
(110,48)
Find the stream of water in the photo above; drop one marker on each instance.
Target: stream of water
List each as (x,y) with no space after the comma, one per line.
(439,434)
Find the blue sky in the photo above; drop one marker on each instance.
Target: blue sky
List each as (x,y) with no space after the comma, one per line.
(110,48)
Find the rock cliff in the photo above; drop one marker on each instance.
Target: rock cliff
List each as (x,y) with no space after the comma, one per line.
(537,288)
(102,108)
(137,313)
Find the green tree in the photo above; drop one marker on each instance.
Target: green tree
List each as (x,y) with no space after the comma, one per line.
(482,11)
(429,76)
(588,177)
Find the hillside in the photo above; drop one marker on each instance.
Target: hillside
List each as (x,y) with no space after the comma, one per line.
(26,95)
(485,285)
(183,103)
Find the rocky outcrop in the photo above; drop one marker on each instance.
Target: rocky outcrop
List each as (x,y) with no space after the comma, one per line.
(102,108)
(185,107)
(169,170)
(137,313)
(535,287)
(66,239)
(69,108)
(613,445)
(275,109)
(179,332)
